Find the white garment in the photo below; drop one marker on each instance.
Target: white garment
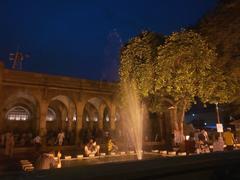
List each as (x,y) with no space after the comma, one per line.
(37,140)
(60,137)
(205,134)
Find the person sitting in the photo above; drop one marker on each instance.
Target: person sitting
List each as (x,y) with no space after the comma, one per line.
(46,161)
(229,139)
(218,144)
(91,148)
(111,147)
(37,143)
(190,144)
(202,145)
(96,148)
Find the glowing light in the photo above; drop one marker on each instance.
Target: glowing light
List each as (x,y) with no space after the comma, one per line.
(80,156)
(107,118)
(74,117)
(172,153)
(182,154)
(91,155)
(95,119)
(102,154)
(122,153)
(51,115)
(68,157)
(87,118)
(163,152)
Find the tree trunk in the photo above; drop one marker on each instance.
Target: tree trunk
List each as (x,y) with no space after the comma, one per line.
(177,116)
(181,120)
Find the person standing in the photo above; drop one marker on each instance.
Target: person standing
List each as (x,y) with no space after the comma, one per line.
(229,139)
(60,138)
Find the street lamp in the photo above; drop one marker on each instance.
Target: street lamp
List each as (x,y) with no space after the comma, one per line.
(218,125)
(217,110)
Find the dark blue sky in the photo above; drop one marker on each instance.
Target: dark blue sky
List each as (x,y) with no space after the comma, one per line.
(74,37)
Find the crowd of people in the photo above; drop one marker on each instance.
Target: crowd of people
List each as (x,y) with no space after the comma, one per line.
(47,160)
(9,140)
(199,142)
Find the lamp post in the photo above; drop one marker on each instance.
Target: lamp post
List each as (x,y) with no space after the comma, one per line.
(219,125)
(217,110)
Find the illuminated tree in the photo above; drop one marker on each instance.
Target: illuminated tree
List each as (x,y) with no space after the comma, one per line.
(187,68)
(137,59)
(181,69)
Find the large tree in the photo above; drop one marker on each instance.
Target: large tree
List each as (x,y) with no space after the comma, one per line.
(187,68)
(221,28)
(180,69)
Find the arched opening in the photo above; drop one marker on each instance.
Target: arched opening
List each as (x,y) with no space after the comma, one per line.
(93,120)
(20,116)
(90,122)
(61,116)
(106,120)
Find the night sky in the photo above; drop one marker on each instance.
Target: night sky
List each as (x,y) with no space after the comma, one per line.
(81,38)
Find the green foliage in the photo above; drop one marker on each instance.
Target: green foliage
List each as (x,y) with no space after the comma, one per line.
(182,68)
(136,61)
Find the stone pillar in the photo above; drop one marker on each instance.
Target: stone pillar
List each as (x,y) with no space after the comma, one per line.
(79,123)
(112,117)
(42,120)
(1,97)
(91,119)
(63,120)
(100,120)
(70,120)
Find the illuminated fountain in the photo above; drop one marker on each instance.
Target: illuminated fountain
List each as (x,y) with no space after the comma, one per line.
(133,117)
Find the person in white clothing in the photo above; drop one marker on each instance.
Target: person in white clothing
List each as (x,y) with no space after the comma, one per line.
(37,142)
(205,134)
(60,138)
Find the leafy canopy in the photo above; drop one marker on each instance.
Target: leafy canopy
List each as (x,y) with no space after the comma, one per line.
(182,68)
(137,59)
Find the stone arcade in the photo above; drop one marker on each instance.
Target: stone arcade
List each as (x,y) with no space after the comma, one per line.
(42,104)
